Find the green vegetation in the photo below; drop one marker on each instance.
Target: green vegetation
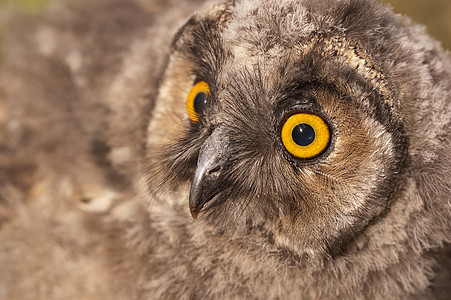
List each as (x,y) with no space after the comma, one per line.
(31,6)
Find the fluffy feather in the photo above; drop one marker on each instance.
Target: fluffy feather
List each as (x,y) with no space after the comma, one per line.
(97,152)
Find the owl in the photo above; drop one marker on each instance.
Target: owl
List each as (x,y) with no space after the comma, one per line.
(246,149)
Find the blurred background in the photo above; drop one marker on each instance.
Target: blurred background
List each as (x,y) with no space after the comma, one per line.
(33,6)
(435,14)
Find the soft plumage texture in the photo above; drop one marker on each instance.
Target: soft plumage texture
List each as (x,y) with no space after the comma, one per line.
(97,153)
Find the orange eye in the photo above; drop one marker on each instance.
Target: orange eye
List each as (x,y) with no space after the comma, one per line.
(197,98)
(305,135)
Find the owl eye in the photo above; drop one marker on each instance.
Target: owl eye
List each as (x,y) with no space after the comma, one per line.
(197,98)
(305,135)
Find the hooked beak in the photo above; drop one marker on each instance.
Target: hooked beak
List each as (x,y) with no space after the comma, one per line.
(211,164)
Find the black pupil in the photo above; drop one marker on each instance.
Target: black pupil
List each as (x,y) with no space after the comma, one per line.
(303,134)
(199,102)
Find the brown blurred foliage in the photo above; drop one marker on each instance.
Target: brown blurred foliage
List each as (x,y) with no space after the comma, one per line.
(435,14)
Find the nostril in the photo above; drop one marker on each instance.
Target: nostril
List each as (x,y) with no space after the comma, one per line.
(214,170)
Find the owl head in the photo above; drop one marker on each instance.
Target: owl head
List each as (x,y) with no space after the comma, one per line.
(285,115)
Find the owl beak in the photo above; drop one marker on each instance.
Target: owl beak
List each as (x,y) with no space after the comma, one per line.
(212,161)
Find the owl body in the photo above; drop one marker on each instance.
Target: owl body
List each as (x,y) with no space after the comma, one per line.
(116,183)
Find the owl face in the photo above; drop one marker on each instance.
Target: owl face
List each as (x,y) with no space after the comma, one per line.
(289,125)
